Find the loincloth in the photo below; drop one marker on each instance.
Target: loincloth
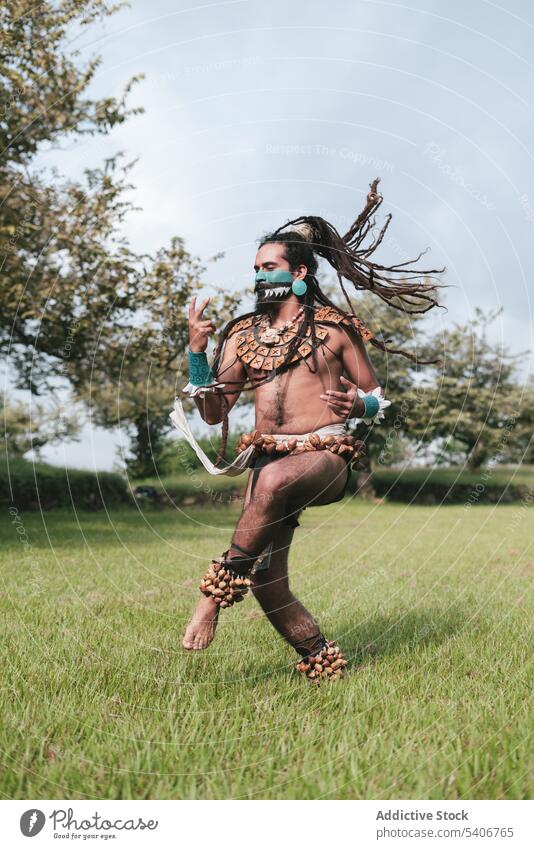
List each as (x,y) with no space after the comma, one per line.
(246,457)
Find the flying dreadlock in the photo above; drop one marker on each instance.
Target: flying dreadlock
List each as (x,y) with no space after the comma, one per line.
(309,236)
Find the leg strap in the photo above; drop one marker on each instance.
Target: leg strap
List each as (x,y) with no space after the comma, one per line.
(242,550)
(311,645)
(240,564)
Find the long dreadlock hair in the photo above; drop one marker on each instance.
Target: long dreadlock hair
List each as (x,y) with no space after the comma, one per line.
(309,236)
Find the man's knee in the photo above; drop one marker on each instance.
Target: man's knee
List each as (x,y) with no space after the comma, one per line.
(272,486)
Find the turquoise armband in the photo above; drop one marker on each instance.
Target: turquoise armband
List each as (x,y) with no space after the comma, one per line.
(374,405)
(199,371)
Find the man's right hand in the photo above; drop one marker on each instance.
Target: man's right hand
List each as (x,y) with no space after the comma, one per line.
(200,329)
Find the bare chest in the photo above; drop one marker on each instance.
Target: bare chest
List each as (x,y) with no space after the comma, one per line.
(290,398)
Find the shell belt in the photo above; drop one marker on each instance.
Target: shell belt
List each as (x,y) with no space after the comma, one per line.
(343,444)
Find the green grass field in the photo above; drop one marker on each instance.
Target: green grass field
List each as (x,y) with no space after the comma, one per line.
(434,606)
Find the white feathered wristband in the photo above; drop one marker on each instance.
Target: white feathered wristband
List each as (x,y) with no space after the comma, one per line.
(383,404)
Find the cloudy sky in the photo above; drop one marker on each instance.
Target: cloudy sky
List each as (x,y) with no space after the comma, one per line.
(257,112)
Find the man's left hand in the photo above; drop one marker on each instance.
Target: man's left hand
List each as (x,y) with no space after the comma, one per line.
(343,403)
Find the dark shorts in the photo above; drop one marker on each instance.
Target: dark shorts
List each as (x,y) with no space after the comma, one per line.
(264,460)
(291,519)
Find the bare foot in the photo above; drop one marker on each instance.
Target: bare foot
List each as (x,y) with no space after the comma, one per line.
(201,629)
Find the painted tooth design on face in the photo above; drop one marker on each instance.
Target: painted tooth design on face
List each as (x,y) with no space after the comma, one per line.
(275,291)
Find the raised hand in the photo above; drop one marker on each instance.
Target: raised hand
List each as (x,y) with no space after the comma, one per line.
(343,403)
(200,328)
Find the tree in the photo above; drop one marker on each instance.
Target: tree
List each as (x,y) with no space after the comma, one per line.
(63,264)
(474,402)
(80,304)
(520,448)
(32,426)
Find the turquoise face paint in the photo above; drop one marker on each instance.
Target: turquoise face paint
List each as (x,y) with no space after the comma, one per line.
(278,276)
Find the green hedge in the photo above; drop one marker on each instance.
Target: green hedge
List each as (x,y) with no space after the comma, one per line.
(34,486)
(419,486)
(451,486)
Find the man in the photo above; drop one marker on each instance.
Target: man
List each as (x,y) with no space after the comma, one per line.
(307,363)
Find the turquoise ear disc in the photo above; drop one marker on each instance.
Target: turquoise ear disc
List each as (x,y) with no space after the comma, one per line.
(299,287)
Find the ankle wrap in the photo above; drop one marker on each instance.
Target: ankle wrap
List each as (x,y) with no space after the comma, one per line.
(310,645)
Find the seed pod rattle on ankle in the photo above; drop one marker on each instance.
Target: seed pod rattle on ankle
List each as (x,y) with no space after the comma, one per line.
(225,586)
(327,664)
